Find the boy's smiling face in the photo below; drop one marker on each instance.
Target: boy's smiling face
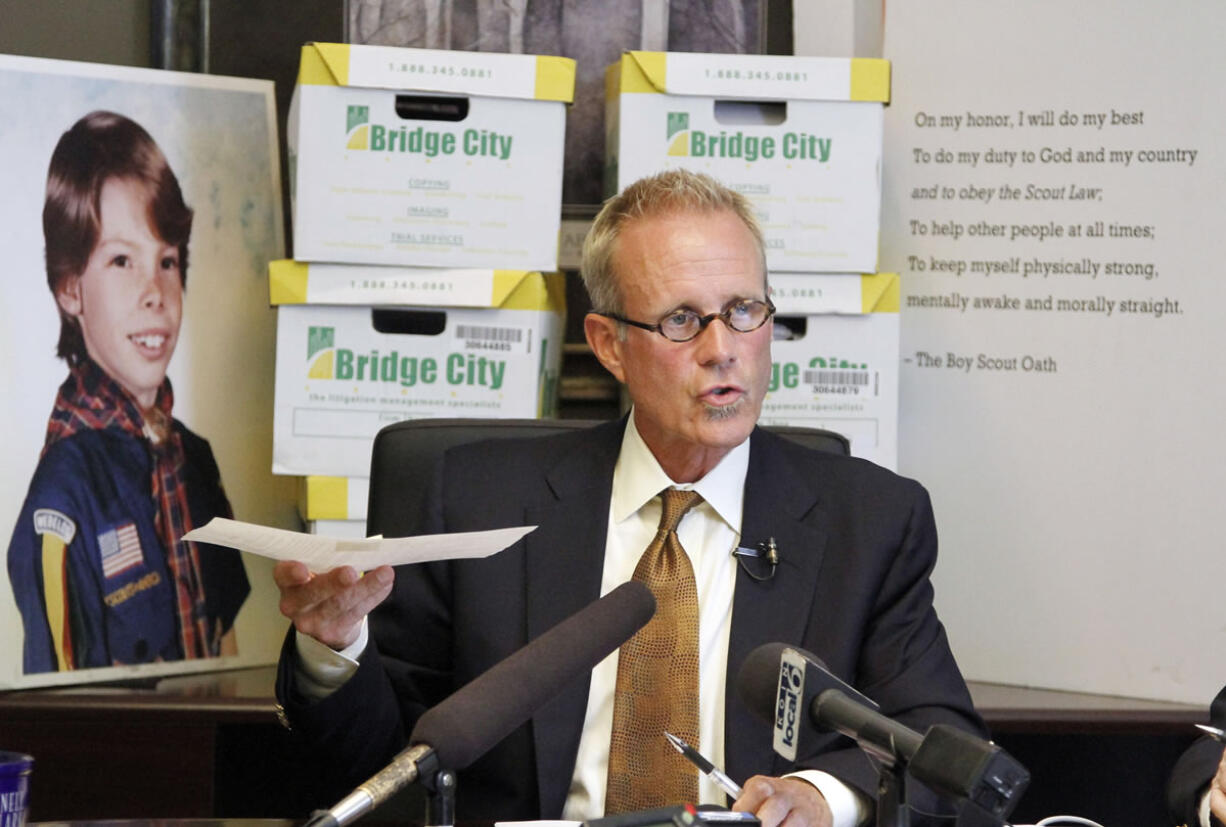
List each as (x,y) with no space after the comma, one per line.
(129,299)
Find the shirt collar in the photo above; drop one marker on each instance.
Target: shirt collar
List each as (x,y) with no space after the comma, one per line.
(638,477)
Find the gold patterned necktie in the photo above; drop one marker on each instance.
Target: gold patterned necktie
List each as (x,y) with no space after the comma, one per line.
(657,679)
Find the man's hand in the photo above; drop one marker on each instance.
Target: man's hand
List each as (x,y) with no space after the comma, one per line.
(330,606)
(784,802)
(1217,791)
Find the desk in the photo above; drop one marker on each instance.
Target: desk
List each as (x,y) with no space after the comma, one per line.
(209,746)
(184,747)
(1096,756)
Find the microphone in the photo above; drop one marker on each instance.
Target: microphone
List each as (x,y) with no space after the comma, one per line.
(793,689)
(473,719)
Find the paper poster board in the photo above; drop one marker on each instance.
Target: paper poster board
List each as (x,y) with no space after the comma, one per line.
(218,136)
(1052,199)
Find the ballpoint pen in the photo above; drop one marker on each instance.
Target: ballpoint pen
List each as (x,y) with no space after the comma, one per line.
(1213,732)
(695,757)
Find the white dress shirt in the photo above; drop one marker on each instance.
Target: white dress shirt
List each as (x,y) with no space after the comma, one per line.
(708,532)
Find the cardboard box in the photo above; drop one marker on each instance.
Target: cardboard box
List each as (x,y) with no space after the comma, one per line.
(426,157)
(801,137)
(343,372)
(840,371)
(298,282)
(344,529)
(333,498)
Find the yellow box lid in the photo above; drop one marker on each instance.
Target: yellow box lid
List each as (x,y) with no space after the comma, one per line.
(751,77)
(300,282)
(532,77)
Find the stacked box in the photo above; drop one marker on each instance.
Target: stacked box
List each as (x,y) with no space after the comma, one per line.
(333,498)
(334,506)
(801,137)
(427,158)
(439,344)
(426,190)
(838,368)
(342,529)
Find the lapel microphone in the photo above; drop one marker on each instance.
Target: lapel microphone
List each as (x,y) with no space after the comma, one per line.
(764,557)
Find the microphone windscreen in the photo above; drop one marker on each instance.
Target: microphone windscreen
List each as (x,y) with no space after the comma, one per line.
(481,713)
(757,681)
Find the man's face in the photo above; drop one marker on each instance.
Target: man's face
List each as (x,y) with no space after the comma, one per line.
(694,401)
(129,298)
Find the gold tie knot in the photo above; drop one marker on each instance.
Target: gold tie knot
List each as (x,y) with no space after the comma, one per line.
(676,504)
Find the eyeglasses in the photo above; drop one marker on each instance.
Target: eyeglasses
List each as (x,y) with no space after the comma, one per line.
(742,315)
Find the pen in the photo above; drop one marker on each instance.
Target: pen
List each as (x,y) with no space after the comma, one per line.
(708,769)
(1212,731)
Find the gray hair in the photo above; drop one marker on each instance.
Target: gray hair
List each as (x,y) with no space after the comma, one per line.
(672,191)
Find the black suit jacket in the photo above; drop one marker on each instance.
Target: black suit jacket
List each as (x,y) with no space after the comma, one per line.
(1195,769)
(857,545)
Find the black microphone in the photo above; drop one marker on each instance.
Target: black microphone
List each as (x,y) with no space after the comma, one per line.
(793,690)
(468,724)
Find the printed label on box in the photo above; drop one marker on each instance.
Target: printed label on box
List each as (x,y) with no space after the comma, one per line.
(477,73)
(759,76)
(345,372)
(797,294)
(840,373)
(811,168)
(420,178)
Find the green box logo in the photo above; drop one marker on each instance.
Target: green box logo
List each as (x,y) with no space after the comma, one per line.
(679,133)
(357,127)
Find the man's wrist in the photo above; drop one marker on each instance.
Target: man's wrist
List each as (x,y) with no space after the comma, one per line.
(320,670)
(847,806)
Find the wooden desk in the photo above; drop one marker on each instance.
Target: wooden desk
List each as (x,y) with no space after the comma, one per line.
(1017,709)
(1096,756)
(184,747)
(209,746)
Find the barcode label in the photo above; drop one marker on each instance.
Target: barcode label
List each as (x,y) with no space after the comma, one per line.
(485,337)
(835,377)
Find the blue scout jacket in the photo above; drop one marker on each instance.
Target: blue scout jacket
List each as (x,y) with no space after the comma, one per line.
(85,563)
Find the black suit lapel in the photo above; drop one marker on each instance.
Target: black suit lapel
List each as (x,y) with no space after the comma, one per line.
(779,503)
(564,559)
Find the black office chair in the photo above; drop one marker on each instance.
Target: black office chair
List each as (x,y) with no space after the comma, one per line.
(405,452)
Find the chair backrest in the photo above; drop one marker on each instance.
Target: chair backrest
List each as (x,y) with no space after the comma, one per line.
(405,452)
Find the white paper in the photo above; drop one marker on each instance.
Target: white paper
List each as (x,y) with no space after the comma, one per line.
(321,553)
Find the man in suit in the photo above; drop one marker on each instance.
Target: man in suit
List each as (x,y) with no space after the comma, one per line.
(675,267)
(1196,791)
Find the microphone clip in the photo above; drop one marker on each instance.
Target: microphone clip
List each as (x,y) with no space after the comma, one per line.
(760,561)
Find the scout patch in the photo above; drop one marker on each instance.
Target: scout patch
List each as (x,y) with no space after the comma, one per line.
(50,521)
(120,550)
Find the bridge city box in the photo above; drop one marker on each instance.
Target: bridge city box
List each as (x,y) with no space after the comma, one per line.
(800,136)
(334,506)
(395,343)
(427,158)
(333,498)
(834,361)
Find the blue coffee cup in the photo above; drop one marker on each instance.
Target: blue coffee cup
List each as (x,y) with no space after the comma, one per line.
(15,770)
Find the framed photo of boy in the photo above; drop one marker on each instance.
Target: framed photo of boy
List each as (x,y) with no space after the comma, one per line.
(141,209)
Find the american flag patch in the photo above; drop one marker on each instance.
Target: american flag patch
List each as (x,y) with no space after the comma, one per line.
(120,549)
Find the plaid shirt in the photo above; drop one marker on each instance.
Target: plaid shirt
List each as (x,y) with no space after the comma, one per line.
(123,488)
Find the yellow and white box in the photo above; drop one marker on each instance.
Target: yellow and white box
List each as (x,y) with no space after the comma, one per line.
(343,372)
(426,157)
(799,136)
(322,498)
(839,369)
(341,529)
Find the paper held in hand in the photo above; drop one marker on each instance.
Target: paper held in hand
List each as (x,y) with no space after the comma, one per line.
(321,553)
